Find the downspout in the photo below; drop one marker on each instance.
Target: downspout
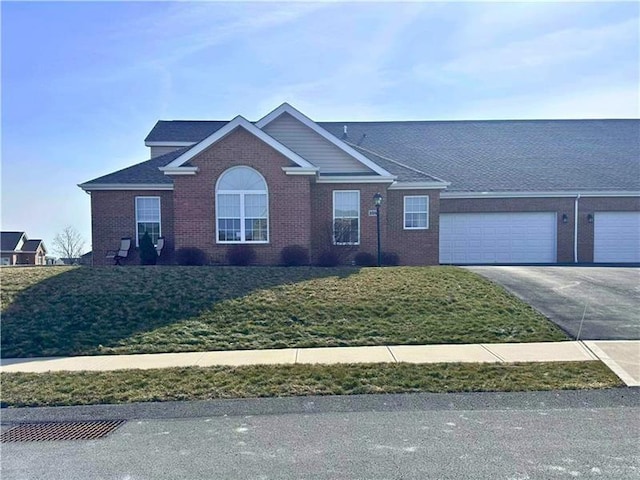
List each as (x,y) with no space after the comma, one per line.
(575,230)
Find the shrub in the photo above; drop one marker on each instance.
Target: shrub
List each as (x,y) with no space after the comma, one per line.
(328,258)
(241,255)
(294,256)
(148,254)
(191,256)
(390,259)
(365,259)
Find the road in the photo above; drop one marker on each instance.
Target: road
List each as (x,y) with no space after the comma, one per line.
(599,303)
(479,436)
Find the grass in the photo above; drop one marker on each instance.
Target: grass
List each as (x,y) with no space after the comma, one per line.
(197,383)
(58,311)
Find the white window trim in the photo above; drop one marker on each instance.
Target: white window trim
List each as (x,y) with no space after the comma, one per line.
(404,212)
(242,193)
(135,206)
(333,223)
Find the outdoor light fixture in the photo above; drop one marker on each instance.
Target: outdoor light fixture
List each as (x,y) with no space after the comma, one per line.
(565,218)
(377,201)
(590,218)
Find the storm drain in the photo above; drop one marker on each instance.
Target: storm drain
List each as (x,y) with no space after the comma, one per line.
(41,432)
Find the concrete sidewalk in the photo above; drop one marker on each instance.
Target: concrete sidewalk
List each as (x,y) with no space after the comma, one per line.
(621,356)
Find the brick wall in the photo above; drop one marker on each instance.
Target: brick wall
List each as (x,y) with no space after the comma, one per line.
(289,198)
(113,216)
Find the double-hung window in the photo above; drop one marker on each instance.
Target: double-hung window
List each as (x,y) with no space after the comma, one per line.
(416,212)
(242,207)
(346,217)
(148,218)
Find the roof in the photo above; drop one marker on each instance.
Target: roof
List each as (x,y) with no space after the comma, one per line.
(31,246)
(9,240)
(474,156)
(142,173)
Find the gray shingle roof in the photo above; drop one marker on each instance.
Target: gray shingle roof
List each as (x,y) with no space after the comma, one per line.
(9,240)
(494,155)
(141,173)
(510,155)
(31,245)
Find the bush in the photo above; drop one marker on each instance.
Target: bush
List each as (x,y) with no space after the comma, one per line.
(241,255)
(191,256)
(148,254)
(294,256)
(365,259)
(328,258)
(390,259)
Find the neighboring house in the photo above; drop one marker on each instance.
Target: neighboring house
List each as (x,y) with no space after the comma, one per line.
(17,249)
(460,192)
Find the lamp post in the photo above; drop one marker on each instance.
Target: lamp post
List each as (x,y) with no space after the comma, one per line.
(377,201)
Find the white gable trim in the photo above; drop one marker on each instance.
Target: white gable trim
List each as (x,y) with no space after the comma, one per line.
(354,179)
(179,170)
(286,108)
(299,171)
(237,122)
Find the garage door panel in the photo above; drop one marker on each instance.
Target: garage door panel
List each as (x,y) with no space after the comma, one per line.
(616,237)
(525,237)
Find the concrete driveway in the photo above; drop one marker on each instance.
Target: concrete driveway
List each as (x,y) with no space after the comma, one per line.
(607,297)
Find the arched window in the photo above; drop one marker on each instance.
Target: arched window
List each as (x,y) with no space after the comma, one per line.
(242,207)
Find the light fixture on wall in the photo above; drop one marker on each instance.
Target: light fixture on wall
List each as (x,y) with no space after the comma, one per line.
(590,218)
(565,218)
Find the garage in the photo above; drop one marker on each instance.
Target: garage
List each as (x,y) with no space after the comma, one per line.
(616,237)
(484,238)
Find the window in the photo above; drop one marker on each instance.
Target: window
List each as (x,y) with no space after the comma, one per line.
(416,212)
(346,217)
(242,209)
(148,218)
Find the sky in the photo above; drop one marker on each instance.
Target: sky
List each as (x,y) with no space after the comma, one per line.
(83,83)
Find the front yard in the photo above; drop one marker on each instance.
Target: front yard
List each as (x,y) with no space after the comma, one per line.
(58,311)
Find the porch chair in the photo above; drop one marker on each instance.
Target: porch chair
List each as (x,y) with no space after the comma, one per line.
(160,245)
(122,253)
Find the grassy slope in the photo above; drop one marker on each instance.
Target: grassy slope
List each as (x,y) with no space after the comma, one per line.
(85,388)
(73,311)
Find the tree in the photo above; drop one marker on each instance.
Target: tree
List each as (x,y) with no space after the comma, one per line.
(68,243)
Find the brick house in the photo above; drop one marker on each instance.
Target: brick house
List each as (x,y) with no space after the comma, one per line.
(454,192)
(17,249)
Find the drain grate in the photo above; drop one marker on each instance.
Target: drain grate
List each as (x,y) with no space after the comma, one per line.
(40,432)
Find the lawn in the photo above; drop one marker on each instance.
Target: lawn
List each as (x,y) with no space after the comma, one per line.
(110,310)
(195,383)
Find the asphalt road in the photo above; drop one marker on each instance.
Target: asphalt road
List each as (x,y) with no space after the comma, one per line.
(607,297)
(487,436)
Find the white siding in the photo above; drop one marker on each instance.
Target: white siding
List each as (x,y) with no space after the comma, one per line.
(616,237)
(157,151)
(312,147)
(498,237)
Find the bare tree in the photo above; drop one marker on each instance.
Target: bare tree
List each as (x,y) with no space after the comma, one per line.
(68,243)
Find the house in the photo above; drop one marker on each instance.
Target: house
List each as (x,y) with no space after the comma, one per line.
(454,192)
(17,249)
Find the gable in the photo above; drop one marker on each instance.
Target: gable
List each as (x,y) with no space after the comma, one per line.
(311,146)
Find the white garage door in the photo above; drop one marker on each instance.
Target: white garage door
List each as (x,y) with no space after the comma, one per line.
(498,237)
(616,237)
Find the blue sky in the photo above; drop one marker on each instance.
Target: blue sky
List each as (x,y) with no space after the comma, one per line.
(84,82)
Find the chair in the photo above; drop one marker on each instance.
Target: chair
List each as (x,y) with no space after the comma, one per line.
(122,253)
(160,245)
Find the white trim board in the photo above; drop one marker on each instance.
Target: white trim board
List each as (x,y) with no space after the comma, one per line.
(534,194)
(125,186)
(286,108)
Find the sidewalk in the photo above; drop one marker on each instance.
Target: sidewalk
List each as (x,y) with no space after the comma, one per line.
(623,357)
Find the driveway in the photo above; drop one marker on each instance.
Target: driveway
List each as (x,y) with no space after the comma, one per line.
(607,297)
